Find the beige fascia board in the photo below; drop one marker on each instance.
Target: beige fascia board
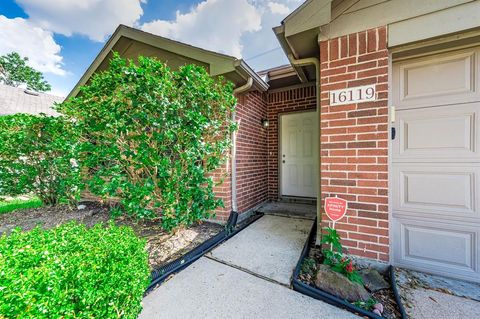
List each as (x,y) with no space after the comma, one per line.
(280,34)
(309,15)
(96,62)
(382,14)
(453,20)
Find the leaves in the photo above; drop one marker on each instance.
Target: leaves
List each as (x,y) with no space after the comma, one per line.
(334,257)
(151,137)
(72,272)
(14,71)
(38,154)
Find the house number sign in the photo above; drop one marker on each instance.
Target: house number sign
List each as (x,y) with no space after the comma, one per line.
(357,94)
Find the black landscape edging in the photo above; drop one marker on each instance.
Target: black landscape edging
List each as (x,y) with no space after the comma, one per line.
(319,294)
(393,282)
(231,228)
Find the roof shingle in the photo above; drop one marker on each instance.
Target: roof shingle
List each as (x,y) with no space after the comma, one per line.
(17,100)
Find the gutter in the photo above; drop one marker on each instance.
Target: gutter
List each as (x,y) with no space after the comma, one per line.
(237,91)
(316,63)
(242,65)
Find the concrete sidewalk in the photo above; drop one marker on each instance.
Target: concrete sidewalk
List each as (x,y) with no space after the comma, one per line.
(246,277)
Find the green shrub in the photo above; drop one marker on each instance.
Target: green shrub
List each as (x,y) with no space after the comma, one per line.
(37,155)
(72,272)
(152,136)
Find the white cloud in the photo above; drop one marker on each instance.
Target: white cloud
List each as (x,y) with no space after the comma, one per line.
(278,8)
(31,41)
(95,19)
(213,24)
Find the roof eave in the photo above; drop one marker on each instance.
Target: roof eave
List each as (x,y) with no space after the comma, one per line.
(220,63)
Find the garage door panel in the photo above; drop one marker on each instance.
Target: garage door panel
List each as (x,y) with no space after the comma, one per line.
(451,249)
(435,171)
(449,133)
(437,80)
(433,190)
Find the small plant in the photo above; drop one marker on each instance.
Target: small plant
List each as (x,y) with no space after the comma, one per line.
(367,305)
(72,272)
(334,257)
(308,266)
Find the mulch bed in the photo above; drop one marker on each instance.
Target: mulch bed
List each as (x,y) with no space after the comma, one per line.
(162,247)
(384,296)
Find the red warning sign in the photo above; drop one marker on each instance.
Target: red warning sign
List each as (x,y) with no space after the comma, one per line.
(335,208)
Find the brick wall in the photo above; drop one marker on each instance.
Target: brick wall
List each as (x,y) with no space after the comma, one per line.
(287,101)
(252,186)
(251,150)
(355,139)
(223,191)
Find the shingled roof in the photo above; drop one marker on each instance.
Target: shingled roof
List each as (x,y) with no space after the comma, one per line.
(18,100)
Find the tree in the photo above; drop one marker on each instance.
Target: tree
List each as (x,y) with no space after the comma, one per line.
(151,137)
(14,71)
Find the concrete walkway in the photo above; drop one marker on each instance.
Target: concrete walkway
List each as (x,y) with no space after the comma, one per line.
(269,248)
(246,277)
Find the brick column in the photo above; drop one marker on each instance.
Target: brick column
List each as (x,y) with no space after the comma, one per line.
(355,140)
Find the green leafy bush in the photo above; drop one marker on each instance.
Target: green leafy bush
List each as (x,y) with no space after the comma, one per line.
(72,272)
(334,257)
(37,155)
(152,136)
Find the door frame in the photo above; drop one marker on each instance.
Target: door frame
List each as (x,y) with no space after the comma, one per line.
(279,155)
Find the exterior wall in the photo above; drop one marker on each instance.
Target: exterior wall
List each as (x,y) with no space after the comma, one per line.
(223,190)
(285,101)
(354,156)
(252,156)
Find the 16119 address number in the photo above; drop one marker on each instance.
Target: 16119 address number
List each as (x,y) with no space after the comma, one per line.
(357,94)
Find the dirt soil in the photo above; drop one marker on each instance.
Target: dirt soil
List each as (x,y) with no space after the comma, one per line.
(384,296)
(162,247)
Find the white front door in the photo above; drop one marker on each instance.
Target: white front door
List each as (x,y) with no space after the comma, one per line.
(299,154)
(436,164)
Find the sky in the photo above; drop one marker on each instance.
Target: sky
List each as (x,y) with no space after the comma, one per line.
(62,37)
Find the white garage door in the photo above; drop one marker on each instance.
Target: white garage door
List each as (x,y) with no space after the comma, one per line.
(435,170)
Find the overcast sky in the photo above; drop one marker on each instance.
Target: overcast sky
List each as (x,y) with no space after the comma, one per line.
(62,37)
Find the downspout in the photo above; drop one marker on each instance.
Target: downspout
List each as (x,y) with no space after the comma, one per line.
(316,63)
(233,182)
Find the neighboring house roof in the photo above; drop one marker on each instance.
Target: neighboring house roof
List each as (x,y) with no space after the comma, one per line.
(131,43)
(18,100)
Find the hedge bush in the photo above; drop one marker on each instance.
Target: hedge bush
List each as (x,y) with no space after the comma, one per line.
(38,155)
(72,272)
(150,137)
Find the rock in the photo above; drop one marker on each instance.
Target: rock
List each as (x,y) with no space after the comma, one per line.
(80,207)
(373,280)
(339,285)
(379,307)
(377,312)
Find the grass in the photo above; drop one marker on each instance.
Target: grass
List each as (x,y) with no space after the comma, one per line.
(16,203)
